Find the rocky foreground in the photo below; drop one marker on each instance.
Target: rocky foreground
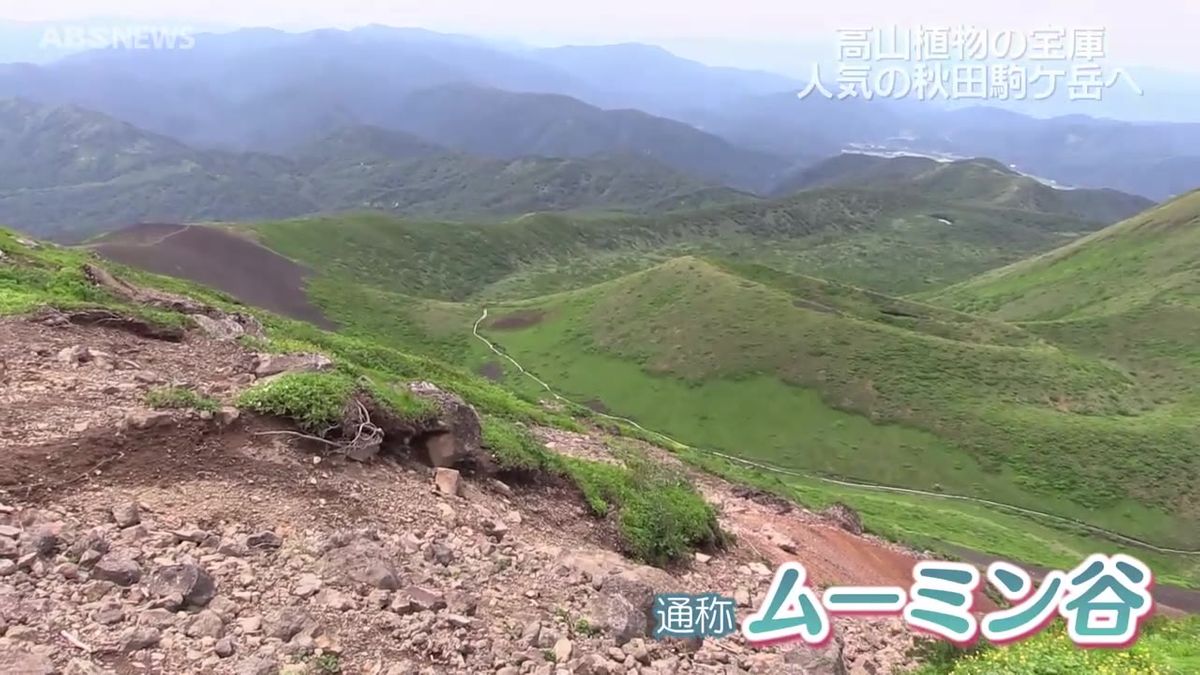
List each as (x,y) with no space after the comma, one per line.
(145,541)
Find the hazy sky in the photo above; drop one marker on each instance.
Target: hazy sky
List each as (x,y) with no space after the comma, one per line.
(1141,32)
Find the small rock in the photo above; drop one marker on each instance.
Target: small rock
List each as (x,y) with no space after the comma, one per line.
(274,364)
(250,624)
(192,583)
(257,666)
(205,624)
(447,481)
(136,639)
(109,614)
(288,622)
(562,650)
(7,567)
(224,648)
(146,419)
(156,618)
(844,517)
(117,569)
(10,531)
(127,514)
(307,585)
(702,558)
(425,600)
(226,416)
(495,529)
(234,548)
(760,569)
(335,600)
(13,660)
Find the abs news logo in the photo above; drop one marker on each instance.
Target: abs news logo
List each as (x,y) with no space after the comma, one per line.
(71,38)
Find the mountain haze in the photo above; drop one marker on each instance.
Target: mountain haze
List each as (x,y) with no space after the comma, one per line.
(496,123)
(74,172)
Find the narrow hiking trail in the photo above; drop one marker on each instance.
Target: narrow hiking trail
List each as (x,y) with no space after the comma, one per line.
(1180,598)
(825,479)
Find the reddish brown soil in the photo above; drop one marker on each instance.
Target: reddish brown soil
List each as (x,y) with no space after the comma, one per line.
(518,320)
(218,258)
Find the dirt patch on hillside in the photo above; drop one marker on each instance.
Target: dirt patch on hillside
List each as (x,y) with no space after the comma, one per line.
(597,405)
(518,320)
(49,391)
(215,257)
(492,371)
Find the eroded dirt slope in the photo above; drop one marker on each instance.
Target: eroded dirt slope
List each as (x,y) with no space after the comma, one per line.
(138,541)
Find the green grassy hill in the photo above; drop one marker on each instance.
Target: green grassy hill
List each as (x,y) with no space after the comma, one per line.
(822,378)
(1129,294)
(894,242)
(974,181)
(1149,259)
(713,326)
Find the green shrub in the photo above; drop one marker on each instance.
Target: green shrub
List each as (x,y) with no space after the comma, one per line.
(515,449)
(314,400)
(399,401)
(180,398)
(659,514)
(317,401)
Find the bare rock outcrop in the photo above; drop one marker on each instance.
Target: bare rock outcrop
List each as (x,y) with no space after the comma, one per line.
(456,439)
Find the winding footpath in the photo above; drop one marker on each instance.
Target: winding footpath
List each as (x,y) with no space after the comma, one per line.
(1116,536)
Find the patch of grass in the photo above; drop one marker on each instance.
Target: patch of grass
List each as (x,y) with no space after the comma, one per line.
(515,449)
(659,514)
(399,401)
(327,664)
(583,627)
(180,398)
(42,274)
(315,401)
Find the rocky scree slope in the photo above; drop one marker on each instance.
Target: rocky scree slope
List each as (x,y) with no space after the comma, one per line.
(147,524)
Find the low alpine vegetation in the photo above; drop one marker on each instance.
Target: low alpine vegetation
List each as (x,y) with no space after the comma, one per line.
(180,398)
(318,401)
(659,514)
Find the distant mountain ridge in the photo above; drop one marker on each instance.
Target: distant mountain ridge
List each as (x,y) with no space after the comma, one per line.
(978,181)
(73,172)
(496,123)
(267,90)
